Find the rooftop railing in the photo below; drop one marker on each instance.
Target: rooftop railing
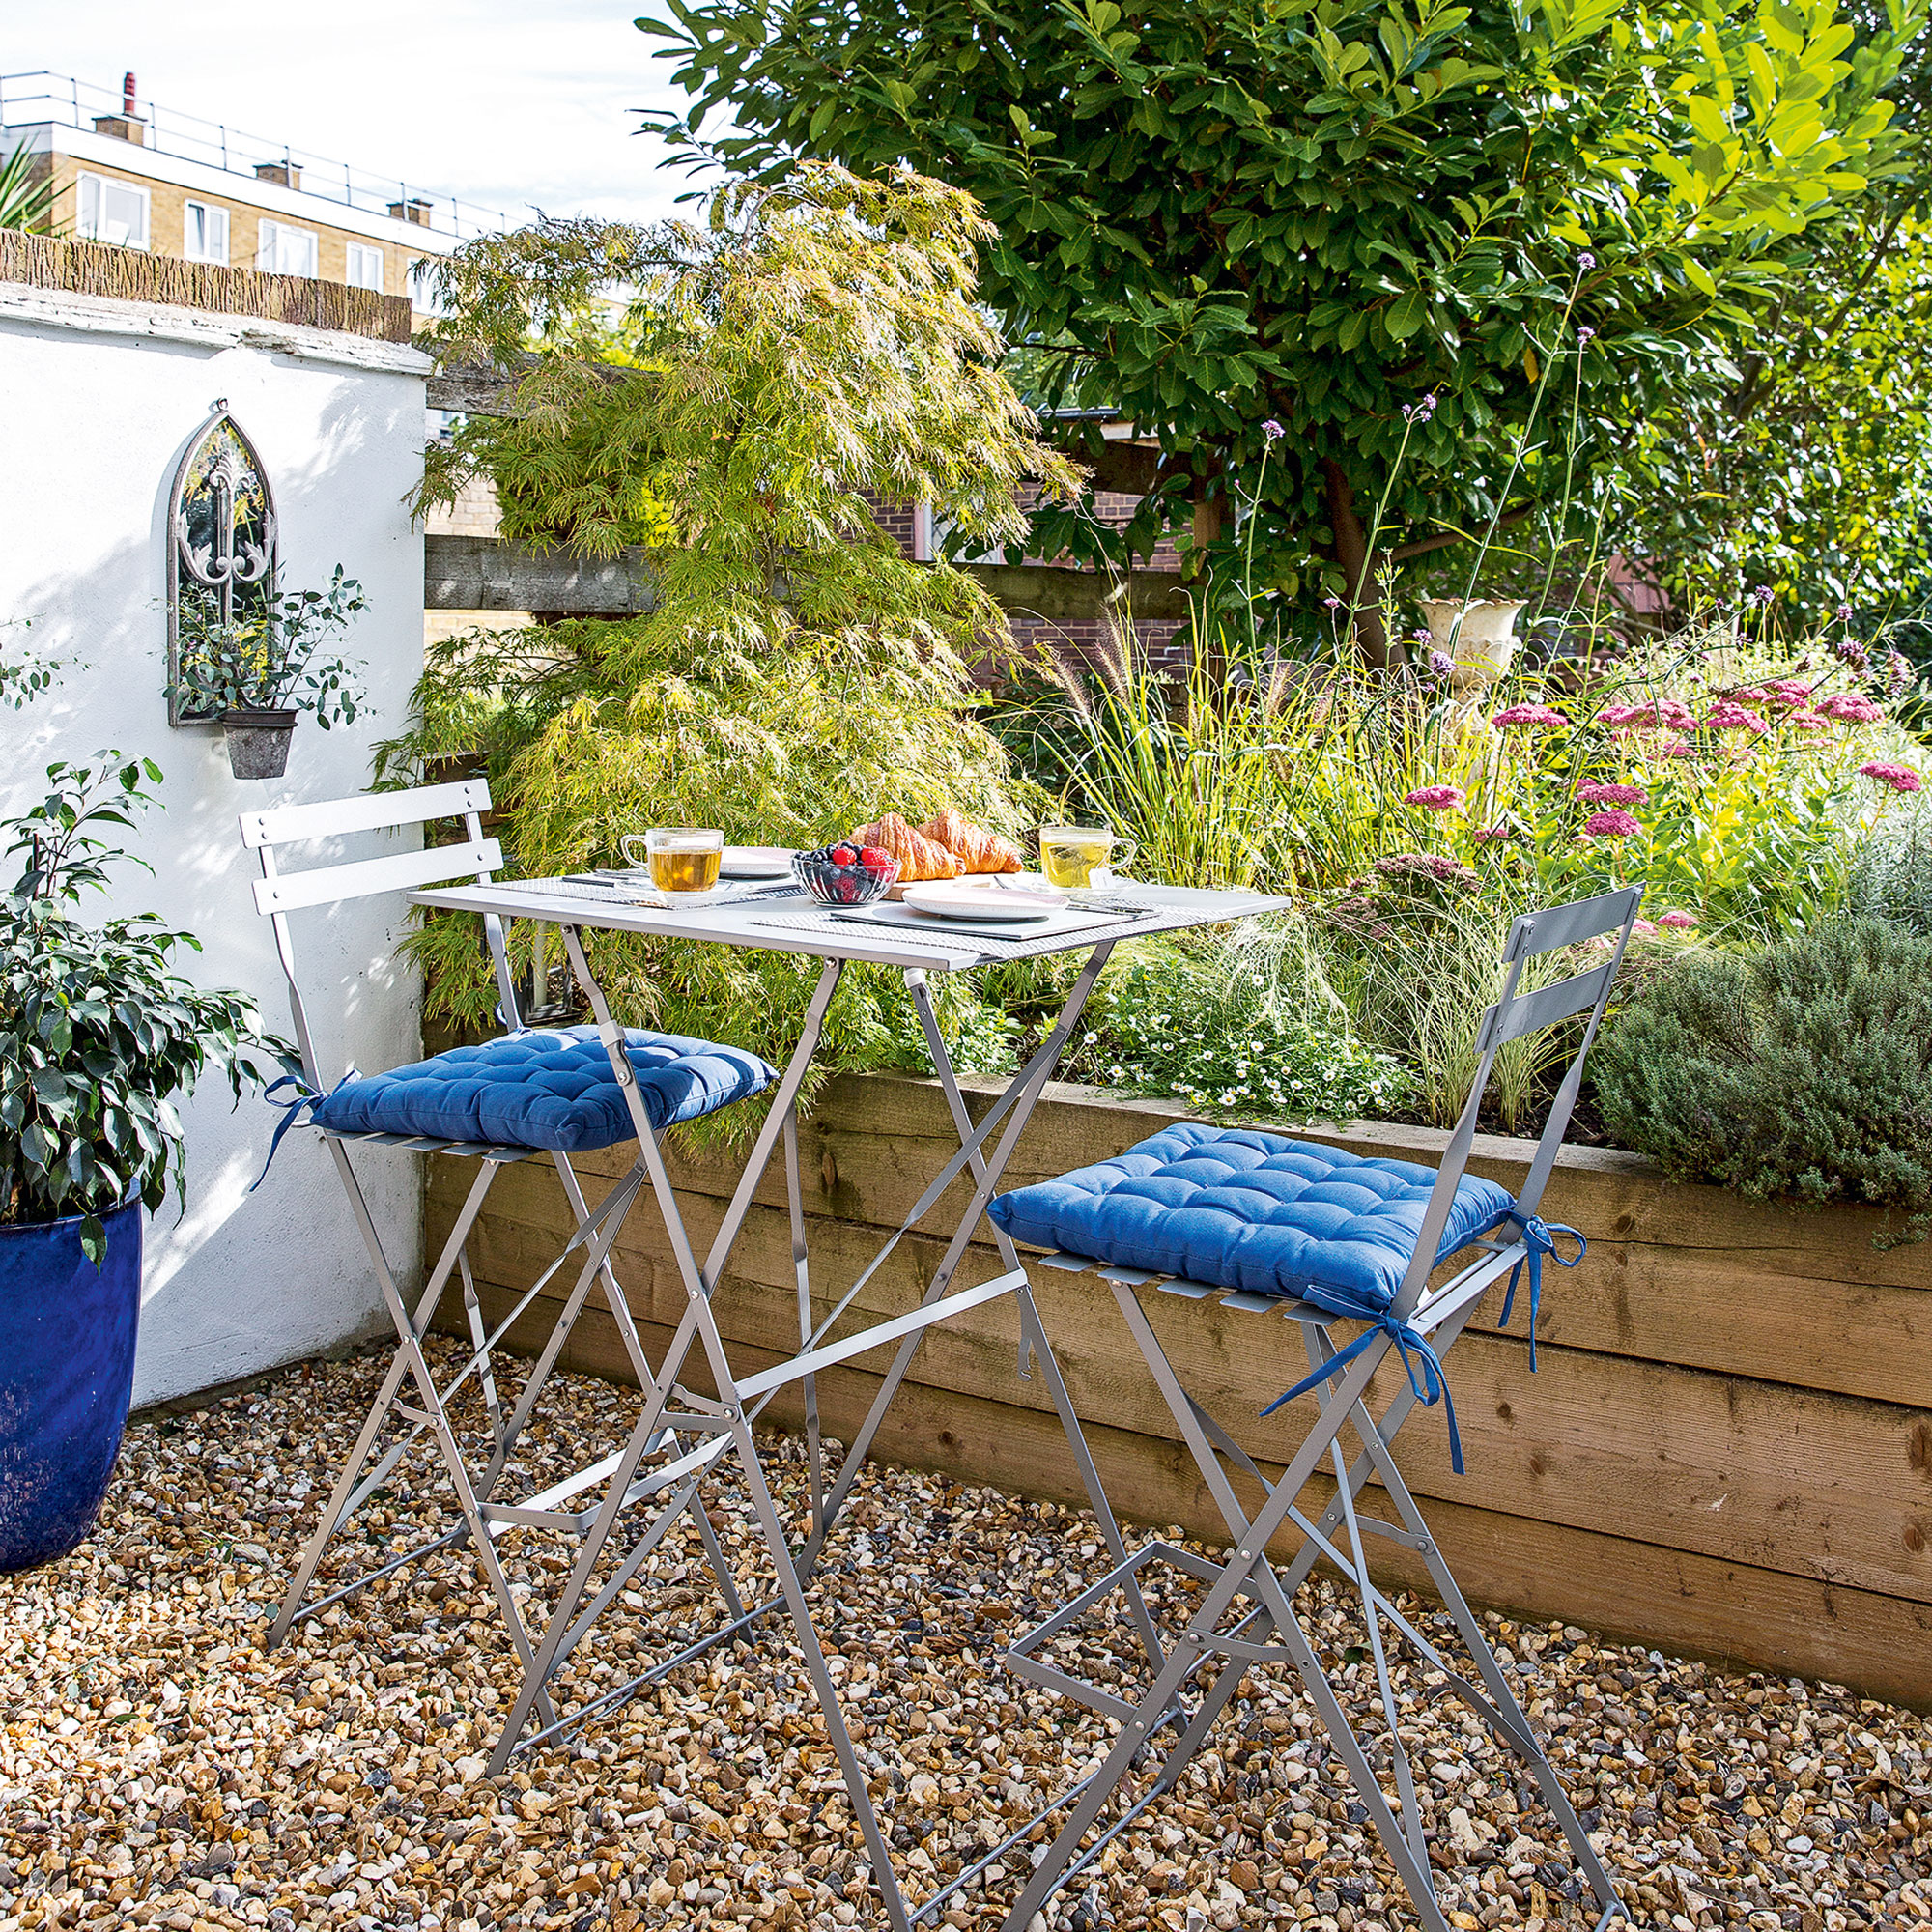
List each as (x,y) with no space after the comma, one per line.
(30,98)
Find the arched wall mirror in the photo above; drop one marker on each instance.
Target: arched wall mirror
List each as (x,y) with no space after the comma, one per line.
(221,548)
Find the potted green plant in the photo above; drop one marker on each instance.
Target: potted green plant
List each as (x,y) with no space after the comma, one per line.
(254,675)
(97,1034)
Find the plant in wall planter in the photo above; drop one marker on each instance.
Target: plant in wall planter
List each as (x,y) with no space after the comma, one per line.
(97,1034)
(255,672)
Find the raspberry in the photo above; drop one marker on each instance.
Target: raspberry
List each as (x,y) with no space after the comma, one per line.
(844,855)
(875,858)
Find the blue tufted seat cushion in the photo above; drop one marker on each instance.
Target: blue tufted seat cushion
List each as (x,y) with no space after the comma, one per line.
(546,1088)
(1251,1210)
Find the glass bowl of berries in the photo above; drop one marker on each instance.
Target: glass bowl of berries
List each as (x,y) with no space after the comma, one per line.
(846,874)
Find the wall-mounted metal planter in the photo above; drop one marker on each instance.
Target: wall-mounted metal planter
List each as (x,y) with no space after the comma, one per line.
(258,742)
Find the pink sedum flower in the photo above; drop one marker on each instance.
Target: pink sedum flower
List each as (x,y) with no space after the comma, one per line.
(1727,715)
(1591,792)
(1531,717)
(1663,714)
(1434,798)
(1791,694)
(1677,922)
(1848,707)
(1643,928)
(1809,721)
(1492,835)
(1612,824)
(1679,748)
(1900,777)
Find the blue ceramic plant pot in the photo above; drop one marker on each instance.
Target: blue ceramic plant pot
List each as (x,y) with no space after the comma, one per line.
(67,1373)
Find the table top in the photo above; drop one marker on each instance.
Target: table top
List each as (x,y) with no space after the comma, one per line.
(785,920)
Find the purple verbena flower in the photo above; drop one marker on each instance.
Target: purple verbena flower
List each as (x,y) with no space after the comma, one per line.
(1272,430)
(1585,262)
(1585,334)
(1441,663)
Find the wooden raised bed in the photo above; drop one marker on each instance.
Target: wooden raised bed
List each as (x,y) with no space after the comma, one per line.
(1727,1451)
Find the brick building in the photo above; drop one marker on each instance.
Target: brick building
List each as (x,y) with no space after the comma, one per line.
(127,172)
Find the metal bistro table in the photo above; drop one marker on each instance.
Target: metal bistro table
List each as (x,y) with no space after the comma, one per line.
(784,919)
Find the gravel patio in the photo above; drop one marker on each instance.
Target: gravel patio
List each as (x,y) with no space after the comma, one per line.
(157,1769)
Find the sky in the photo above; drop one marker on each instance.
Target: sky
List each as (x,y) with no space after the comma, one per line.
(511,104)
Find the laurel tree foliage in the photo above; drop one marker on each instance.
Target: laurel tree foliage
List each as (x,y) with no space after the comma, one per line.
(750,389)
(1219,215)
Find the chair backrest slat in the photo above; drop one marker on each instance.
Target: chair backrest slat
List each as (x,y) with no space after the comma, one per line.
(400,871)
(1569,924)
(1511,1017)
(1530,1012)
(279,892)
(366,811)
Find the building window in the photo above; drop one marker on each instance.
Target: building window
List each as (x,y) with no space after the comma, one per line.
(112,210)
(423,295)
(365,268)
(283,250)
(203,232)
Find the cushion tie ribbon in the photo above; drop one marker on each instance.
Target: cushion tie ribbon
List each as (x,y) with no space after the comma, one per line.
(1539,1237)
(1426,1379)
(306,1100)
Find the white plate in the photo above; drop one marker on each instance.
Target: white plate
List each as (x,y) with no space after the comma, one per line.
(755,862)
(949,899)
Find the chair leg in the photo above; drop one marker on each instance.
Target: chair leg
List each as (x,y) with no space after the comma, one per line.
(619,1307)
(801,1264)
(1506,1717)
(431,1414)
(344,1498)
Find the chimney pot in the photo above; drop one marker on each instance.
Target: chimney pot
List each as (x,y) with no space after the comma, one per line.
(284,174)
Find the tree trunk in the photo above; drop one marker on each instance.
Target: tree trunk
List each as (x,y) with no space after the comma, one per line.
(1364,579)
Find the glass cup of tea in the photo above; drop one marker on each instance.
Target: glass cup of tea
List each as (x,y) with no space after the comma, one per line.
(680,858)
(1079,858)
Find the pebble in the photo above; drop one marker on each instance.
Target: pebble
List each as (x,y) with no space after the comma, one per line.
(159,1768)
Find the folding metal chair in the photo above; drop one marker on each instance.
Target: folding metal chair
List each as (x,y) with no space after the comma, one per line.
(1194,1242)
(564,1092)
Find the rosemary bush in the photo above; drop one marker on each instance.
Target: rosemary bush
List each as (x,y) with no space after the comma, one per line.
(1891,878)
(1800,1073)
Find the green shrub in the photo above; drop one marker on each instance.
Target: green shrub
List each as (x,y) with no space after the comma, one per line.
(1238,1022)
(1891,879)
(1800,1073)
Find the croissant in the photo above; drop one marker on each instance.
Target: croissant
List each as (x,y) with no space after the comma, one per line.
(973,845)
(920,857)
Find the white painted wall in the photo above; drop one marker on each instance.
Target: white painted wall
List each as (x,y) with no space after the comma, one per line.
(97,401)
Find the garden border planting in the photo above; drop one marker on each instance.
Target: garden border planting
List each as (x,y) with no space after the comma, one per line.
(1727,1451)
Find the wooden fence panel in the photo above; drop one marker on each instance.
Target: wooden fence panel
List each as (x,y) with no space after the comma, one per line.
(1727,1451)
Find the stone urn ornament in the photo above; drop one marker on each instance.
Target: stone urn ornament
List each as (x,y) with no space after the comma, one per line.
(1477,635)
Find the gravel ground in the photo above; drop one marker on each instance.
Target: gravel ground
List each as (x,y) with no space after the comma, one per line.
(157,1768)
